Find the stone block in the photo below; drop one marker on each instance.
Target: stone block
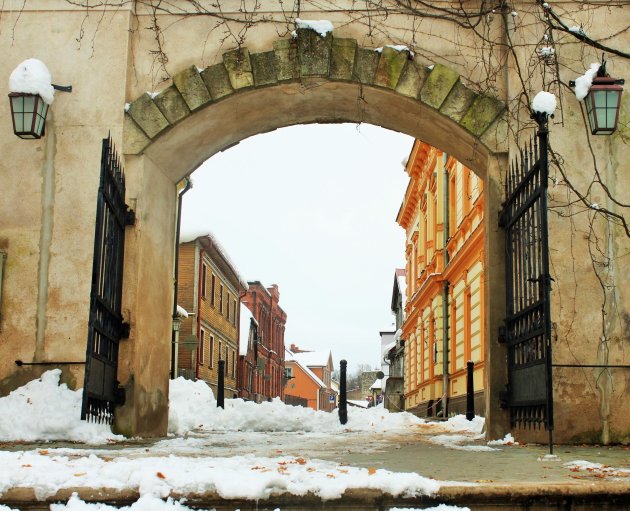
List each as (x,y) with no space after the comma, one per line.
(239,68)
(458,101)
(365,68)
(264,68)
(190,85)
(412,79)
(482,112)
(172,104)
(134,139)
(344,53)
(217,81)
(286,59)
(313,52)
(496,136)
(438,85)
(390,67)
(147,116)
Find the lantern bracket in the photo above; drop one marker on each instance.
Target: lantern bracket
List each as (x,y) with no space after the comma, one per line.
(62,88)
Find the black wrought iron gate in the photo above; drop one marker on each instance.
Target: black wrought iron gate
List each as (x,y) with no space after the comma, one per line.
(528,324)
(106,326)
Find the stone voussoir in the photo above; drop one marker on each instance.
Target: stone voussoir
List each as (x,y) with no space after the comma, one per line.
(482,112)
(134,139)
(391,64)
(239,68)
(343,57)
(192,88)
(147,116)
(366,65)
(412,79)
(217,81)
(264,68)
(458,101)
(172,104)
(438,85)
(286,59)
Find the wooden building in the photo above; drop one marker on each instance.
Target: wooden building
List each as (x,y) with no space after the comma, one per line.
(442,215)
(209,286)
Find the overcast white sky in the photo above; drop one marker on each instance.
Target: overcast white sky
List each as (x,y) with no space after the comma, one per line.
(313,208)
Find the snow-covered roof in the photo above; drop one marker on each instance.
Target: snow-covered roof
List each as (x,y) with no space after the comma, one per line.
(244,327)
(289,356)
(376,385)
(388,347)
(313,358)
(187,236)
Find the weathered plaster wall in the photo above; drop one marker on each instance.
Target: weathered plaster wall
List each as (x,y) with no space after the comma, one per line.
(48,202)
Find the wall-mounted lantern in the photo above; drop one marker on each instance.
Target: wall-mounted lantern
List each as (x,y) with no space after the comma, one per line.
(31,95)
(603,102)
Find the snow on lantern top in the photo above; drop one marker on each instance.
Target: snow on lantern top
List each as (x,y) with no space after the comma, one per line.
(322,27)
(544,103)
(584,82)
(32,77)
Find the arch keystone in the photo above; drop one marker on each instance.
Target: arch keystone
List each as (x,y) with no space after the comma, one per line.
(314,52)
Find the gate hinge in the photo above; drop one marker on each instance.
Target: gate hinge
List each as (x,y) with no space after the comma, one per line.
(130,216)
(125,330)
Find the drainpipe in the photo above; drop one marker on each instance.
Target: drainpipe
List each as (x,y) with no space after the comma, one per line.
(446,210)
(174,334)
(445,343)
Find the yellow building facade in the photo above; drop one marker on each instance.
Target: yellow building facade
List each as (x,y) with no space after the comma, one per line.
(442,214)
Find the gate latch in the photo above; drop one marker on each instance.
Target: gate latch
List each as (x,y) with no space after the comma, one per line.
(125,330)
(130,216)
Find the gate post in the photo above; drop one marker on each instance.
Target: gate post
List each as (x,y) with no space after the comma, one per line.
(221,385)
(470,390)
(343,396)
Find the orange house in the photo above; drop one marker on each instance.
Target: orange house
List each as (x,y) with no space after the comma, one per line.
(442,214)
(304,385)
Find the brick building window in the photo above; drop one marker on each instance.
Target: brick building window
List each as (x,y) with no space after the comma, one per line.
(202,341)
(234,312)
(221,299)
(211,350)
(233,363)
(227,302)
(204,275)
(212,289)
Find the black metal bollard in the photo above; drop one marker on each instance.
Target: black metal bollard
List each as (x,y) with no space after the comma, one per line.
(470,391)
(343,396)
(221,385)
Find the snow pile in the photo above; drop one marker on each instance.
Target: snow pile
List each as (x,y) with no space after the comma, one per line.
(32,77)
(544,103)
(396,47)
(577,30)
(507,440)
(584,82)
(193,407)
(597,469)
(457,442)
(237,477)
(322,27)
(45,410)
(144,503)
(460,423)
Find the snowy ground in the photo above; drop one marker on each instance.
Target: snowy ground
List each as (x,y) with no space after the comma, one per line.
(245,451)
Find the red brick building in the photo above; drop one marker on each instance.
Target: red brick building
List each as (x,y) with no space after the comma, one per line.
(262,367)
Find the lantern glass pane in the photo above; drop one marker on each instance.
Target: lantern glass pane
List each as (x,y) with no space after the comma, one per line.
(600,98)
(589,110)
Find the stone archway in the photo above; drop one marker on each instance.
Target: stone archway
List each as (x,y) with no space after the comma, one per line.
(307,79)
